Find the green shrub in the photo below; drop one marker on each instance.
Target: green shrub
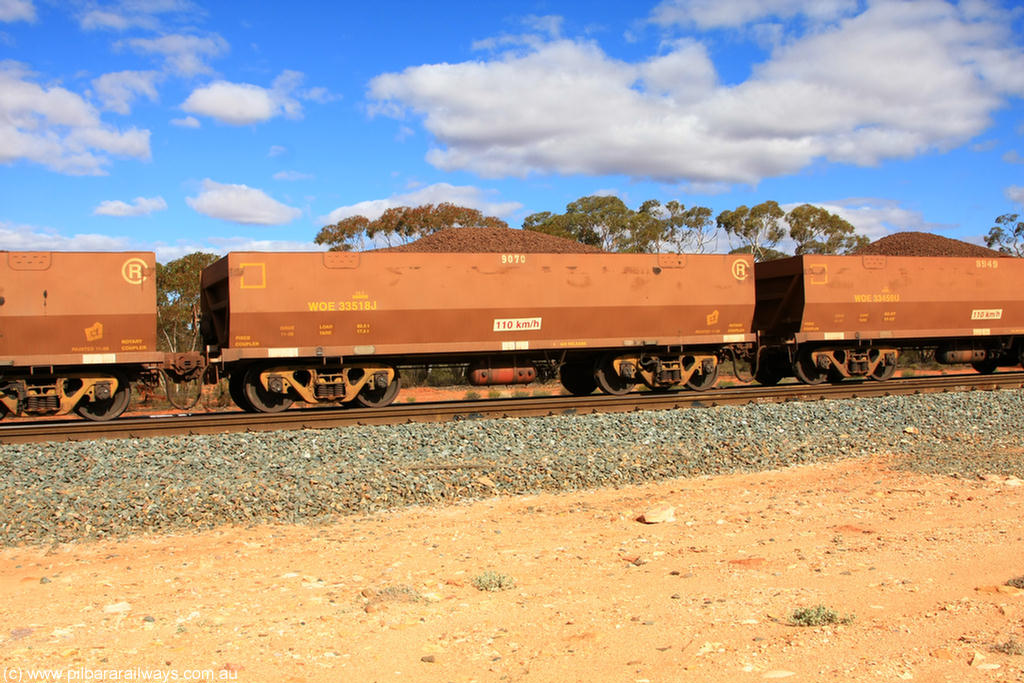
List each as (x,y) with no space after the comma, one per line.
(817,616)
(493,581)
(1010,647)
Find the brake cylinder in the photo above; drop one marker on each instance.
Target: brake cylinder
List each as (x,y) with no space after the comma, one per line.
(488,371)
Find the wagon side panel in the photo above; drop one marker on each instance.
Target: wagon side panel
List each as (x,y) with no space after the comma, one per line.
(407,303)
(77,307)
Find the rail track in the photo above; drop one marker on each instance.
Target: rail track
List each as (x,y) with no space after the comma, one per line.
(323,418)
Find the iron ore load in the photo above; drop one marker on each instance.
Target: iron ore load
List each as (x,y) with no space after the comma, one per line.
(336,326)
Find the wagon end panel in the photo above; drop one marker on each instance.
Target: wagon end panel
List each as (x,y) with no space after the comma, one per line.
(214,304)
(780,298)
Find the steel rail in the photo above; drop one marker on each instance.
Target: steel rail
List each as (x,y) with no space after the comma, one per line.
(323,418)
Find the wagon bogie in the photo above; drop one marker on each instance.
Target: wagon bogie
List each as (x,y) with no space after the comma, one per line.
(271,389)
(94,396)
(838,363)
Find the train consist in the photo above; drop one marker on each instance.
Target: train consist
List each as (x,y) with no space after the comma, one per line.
(77,329)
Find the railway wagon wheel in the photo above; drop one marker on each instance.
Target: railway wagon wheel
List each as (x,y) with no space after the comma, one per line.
(769,376)
(236,389)
(379,398)
(806,371)
(608,380)
(108,408)
(883,372)
(987,366)
(263,401)
(577,378)
(770,368)
(700,381)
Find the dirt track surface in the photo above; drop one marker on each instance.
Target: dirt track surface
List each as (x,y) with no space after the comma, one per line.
(916,561)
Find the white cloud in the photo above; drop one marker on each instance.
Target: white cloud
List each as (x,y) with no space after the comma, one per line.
(234,103)
(462,195)
(240,104)
(877,217)
(118,90)
(897,80)
(33,238)
(184,55)
(57,128)
(320,95)
(17,10)
(292,175)
(540,29)
(222,245)
(709,14)
(140,206)
(127,14)
(1013,157)
(225,245)
(98,19)
(1015,193)
(276,151)
(186,122)
(241,204)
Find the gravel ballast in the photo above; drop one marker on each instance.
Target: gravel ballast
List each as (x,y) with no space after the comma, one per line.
(69,491)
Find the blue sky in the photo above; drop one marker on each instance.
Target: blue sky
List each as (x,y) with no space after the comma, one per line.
(176,126)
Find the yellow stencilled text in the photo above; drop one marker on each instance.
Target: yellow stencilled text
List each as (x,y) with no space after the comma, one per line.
(133,345)
(335,306)
(885,297)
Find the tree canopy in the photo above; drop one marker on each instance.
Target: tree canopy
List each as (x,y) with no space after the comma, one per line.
(607,223)
(177,301)
(817,231)
(1007,235)
(604,222)
(402,224)
(759,227)
(690,230)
